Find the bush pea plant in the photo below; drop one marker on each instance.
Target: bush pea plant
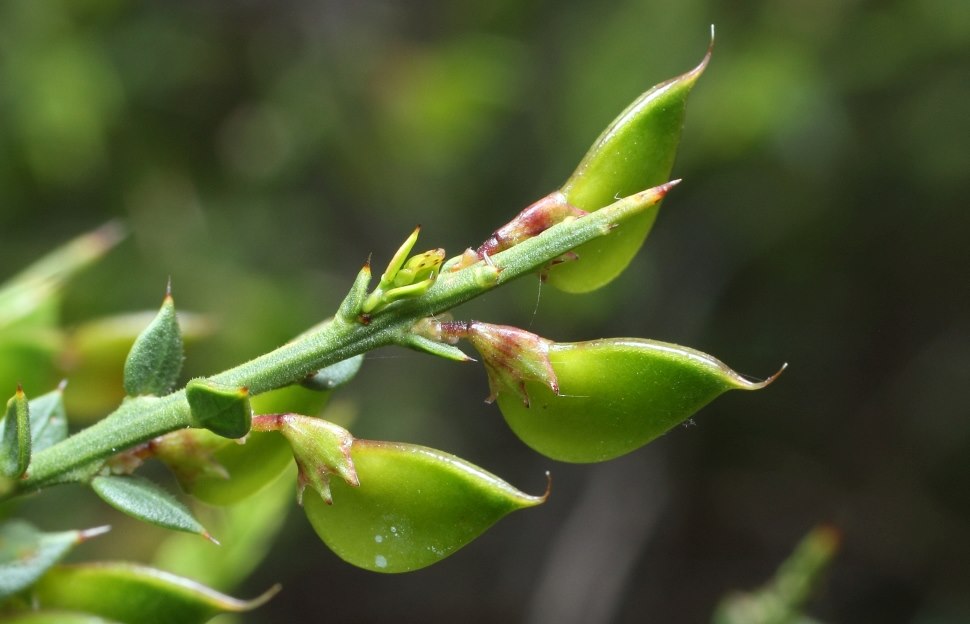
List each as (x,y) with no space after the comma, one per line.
(384,506)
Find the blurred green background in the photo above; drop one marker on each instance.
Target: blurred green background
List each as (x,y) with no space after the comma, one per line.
(259,151)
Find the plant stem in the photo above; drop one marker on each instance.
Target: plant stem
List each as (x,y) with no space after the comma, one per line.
(140,419)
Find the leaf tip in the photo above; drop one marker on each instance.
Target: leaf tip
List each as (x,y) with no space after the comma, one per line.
(209,537)
(86,534)
(767,382)
(545,495)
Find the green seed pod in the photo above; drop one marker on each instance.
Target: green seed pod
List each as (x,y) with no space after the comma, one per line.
(615,395)
(155,360)
(414,507)
(634,153)
(15,438)
(124,592)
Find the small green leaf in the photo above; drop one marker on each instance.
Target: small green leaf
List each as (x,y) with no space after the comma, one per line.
(353,303)
(222,410)
(26,553)
(434,347)
(148,502)
(334,375)
(414,507)
(634,153)
(248,530)
(94,358)
(135,594)
(15,439)
(155,360)
(615,395)
(48,420)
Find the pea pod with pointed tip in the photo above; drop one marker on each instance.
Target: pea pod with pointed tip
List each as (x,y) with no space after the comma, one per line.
(128,593)
(634,153)
(614,396)
(414,506)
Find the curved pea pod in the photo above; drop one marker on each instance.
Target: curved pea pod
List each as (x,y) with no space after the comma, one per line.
(615,395)
(414,506)
(133,594)
(634,153)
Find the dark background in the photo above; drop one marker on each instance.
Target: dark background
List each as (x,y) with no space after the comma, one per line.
(259,151)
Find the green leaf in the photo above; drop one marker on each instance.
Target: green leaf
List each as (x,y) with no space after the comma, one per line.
(634,153)
(334,375)
(248,530)
(615,395)
(15,439)
(414,507)
(95,354)
(26,553)
(48,420)
(222,410)
(155,360)
(148,502)
(134,594)
(32,295)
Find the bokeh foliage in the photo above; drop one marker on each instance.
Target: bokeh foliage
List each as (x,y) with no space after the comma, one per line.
(259,151)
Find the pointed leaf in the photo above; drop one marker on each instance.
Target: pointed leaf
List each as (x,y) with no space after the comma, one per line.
(634,153)
(222,410)
(148,502)
(248,531)
(15,439)
(155,360)
(615,395)
(135,594)
(26,553)
(414,507)
(94,357)
(48,420)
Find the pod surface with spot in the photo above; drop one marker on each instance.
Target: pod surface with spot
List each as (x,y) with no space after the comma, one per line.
(414,507)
